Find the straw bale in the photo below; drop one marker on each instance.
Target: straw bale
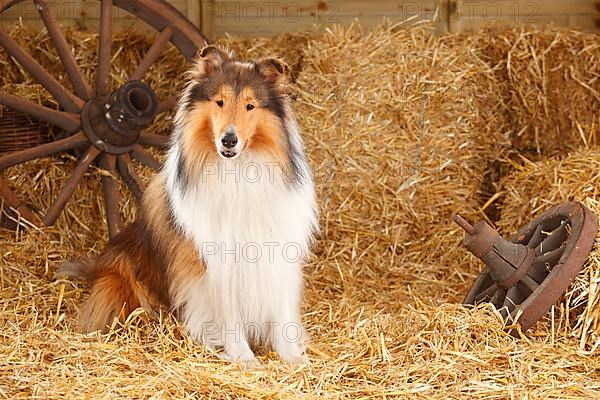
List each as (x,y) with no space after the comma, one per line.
(385,263)
(536,186)
(287,46)
(397,132)
(549,91)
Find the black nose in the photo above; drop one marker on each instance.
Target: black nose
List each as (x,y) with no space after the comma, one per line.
(229,140)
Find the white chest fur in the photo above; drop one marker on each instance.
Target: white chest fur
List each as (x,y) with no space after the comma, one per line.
(253,231)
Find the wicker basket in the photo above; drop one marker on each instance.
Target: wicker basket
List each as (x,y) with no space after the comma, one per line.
(19,131)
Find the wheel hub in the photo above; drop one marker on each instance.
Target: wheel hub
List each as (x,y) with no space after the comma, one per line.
(113,122)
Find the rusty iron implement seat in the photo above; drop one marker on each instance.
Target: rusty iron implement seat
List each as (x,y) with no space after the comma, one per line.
(524,277)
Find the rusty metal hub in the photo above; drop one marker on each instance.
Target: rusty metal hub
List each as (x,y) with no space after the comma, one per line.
(525,276)
(113,122)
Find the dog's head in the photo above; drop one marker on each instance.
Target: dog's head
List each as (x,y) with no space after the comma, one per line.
(233,107)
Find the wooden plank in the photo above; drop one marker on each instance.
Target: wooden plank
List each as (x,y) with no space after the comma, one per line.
(545,7)
(193,11)
(521,11)
(479,22)
(471,15)
(585,22)
(259,28)
(227,11)
(311,7)
(208,19)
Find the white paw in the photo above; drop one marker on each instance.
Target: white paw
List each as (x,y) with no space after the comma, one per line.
(291,353)
(244,362)
(240,354)
(294,360)
(249,364)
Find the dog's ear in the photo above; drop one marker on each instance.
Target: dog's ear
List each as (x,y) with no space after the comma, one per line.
(274,70)
(208,60)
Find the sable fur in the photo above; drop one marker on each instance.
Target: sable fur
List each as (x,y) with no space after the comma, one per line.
(138,268)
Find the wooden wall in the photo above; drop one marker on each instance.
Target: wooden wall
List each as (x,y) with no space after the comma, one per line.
(267,17)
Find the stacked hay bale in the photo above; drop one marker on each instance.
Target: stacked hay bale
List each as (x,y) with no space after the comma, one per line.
(393,159)
(400,140)
(288,46)
(549,87)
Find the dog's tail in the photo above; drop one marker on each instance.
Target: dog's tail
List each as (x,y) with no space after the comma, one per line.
(114,291)
(79,269)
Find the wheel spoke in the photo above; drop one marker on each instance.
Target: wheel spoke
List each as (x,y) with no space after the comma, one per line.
(554,240)
(13,201)
(150,139)
(537,237)
(498,297)
(509,300)
(129,176)
(80,85)
(167,104)
(153,53)
(144,157)
(112,196)
(67,191)
(544,264)
(104,52)
(69,101)
(487,293)
(67,121)
(530,283)
(46,149)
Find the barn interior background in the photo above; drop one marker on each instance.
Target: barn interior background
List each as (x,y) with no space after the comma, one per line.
(217,18)
(487,108)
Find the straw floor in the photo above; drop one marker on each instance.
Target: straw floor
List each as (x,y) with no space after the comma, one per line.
(402,130)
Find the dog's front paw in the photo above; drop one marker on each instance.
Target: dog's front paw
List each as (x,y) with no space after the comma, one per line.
(249,364)
(244,363)
(291,353)
(294,359)
(241,355)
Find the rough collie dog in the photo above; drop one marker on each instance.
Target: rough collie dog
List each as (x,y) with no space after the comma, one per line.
(225,225)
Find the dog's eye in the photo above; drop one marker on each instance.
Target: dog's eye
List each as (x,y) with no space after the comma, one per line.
(249,106)
(220,103)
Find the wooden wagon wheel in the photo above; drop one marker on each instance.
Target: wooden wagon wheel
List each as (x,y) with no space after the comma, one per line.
(105,127)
